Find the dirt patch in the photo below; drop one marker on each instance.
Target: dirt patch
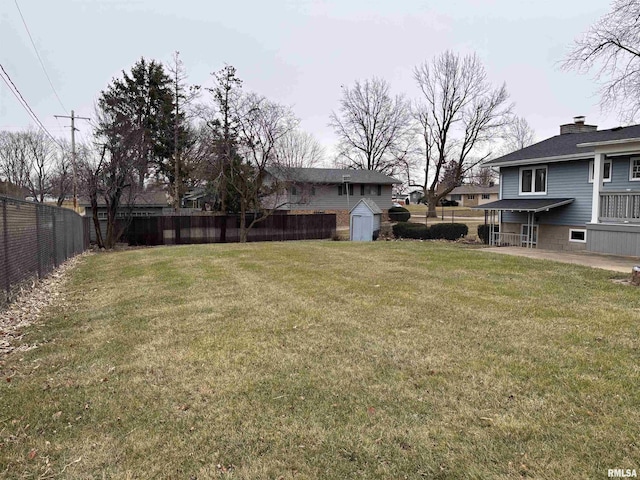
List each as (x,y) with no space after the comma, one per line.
(29,303)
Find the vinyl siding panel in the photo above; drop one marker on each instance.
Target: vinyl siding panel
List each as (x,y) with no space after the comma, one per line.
(620,176)
(326,198)
(564,180)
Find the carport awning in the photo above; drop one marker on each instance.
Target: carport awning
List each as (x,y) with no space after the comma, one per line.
(534,205)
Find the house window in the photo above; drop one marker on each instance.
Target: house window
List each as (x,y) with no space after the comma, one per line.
(577,235)
(634,173)
(362,190)
(294,190)
(379,190)
(533,181)
(471,197)
(313,190)
(486,196)
(342,189)
(606,171)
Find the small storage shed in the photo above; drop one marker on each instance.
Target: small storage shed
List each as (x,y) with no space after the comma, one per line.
(364,221)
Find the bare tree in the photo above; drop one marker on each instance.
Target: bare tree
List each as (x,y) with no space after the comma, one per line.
(262,125)
(222,121)
(183,135)
(15,161)
(611,49)
(89,167)
(299,149)
(517,134)
(40,149)
(61,182)
(461,114)
(374,129)
(118,175)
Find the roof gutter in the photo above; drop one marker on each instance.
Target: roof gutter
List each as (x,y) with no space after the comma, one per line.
(609,142)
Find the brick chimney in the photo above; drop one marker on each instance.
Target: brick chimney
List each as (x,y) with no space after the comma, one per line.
(578,126)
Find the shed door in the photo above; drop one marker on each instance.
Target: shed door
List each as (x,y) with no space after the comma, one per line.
(362,228)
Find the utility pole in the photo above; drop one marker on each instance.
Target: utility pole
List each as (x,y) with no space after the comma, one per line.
(73,155)
(176,151)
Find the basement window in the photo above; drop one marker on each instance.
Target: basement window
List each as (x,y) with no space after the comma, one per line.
(577,235)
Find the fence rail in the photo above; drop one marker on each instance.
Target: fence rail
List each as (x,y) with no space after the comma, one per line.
(180,229)
(35,239)
(620,207)
(509,240)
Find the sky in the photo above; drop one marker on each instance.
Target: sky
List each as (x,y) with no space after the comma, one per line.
(295,52)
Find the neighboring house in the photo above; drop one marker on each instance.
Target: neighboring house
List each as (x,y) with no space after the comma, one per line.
(575,191)
(473,195)
(145,204)
(333,190)
(415,196)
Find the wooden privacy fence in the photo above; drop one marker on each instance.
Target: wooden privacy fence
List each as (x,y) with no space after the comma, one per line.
(172,230)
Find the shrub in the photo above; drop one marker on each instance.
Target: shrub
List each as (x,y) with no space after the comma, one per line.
(483,233)
(448,231)
(399,214)
(411,230)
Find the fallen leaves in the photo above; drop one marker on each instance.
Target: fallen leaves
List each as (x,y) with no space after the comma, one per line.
(28,304)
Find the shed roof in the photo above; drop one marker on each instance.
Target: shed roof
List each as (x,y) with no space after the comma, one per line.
(331,175)
(371,205)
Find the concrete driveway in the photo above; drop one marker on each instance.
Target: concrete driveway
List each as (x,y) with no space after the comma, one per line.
(588,259)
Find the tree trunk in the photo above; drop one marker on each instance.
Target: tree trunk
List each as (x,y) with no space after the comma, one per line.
(243,223)
(432,200)
(96,221)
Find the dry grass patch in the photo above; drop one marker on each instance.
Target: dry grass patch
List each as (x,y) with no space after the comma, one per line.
(327,360)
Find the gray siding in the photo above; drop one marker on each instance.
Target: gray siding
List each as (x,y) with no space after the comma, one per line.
(614,239)
(564,180)
(620,176)
(327,198)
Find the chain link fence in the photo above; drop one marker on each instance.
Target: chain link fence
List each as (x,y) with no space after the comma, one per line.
(35,239)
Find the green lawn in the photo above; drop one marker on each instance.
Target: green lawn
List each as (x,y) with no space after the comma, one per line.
(327,360)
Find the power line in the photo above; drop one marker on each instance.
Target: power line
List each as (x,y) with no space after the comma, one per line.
(38,55)
(16,93)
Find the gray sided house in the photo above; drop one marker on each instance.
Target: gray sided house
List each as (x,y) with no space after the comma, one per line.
(473,195)
(579,190)
(145,204)
(333,190)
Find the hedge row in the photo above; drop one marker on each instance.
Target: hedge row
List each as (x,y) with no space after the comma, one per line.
(446,231)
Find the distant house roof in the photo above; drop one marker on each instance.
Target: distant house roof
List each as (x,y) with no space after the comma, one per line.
(474,189)
(331,175)
(565,147)
(154,198)
(525,204)
(375,209)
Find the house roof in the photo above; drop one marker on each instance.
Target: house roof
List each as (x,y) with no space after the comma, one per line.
(474,189)
(154,198)
(567,146)
(331,175)
(525,204)
(373,206)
